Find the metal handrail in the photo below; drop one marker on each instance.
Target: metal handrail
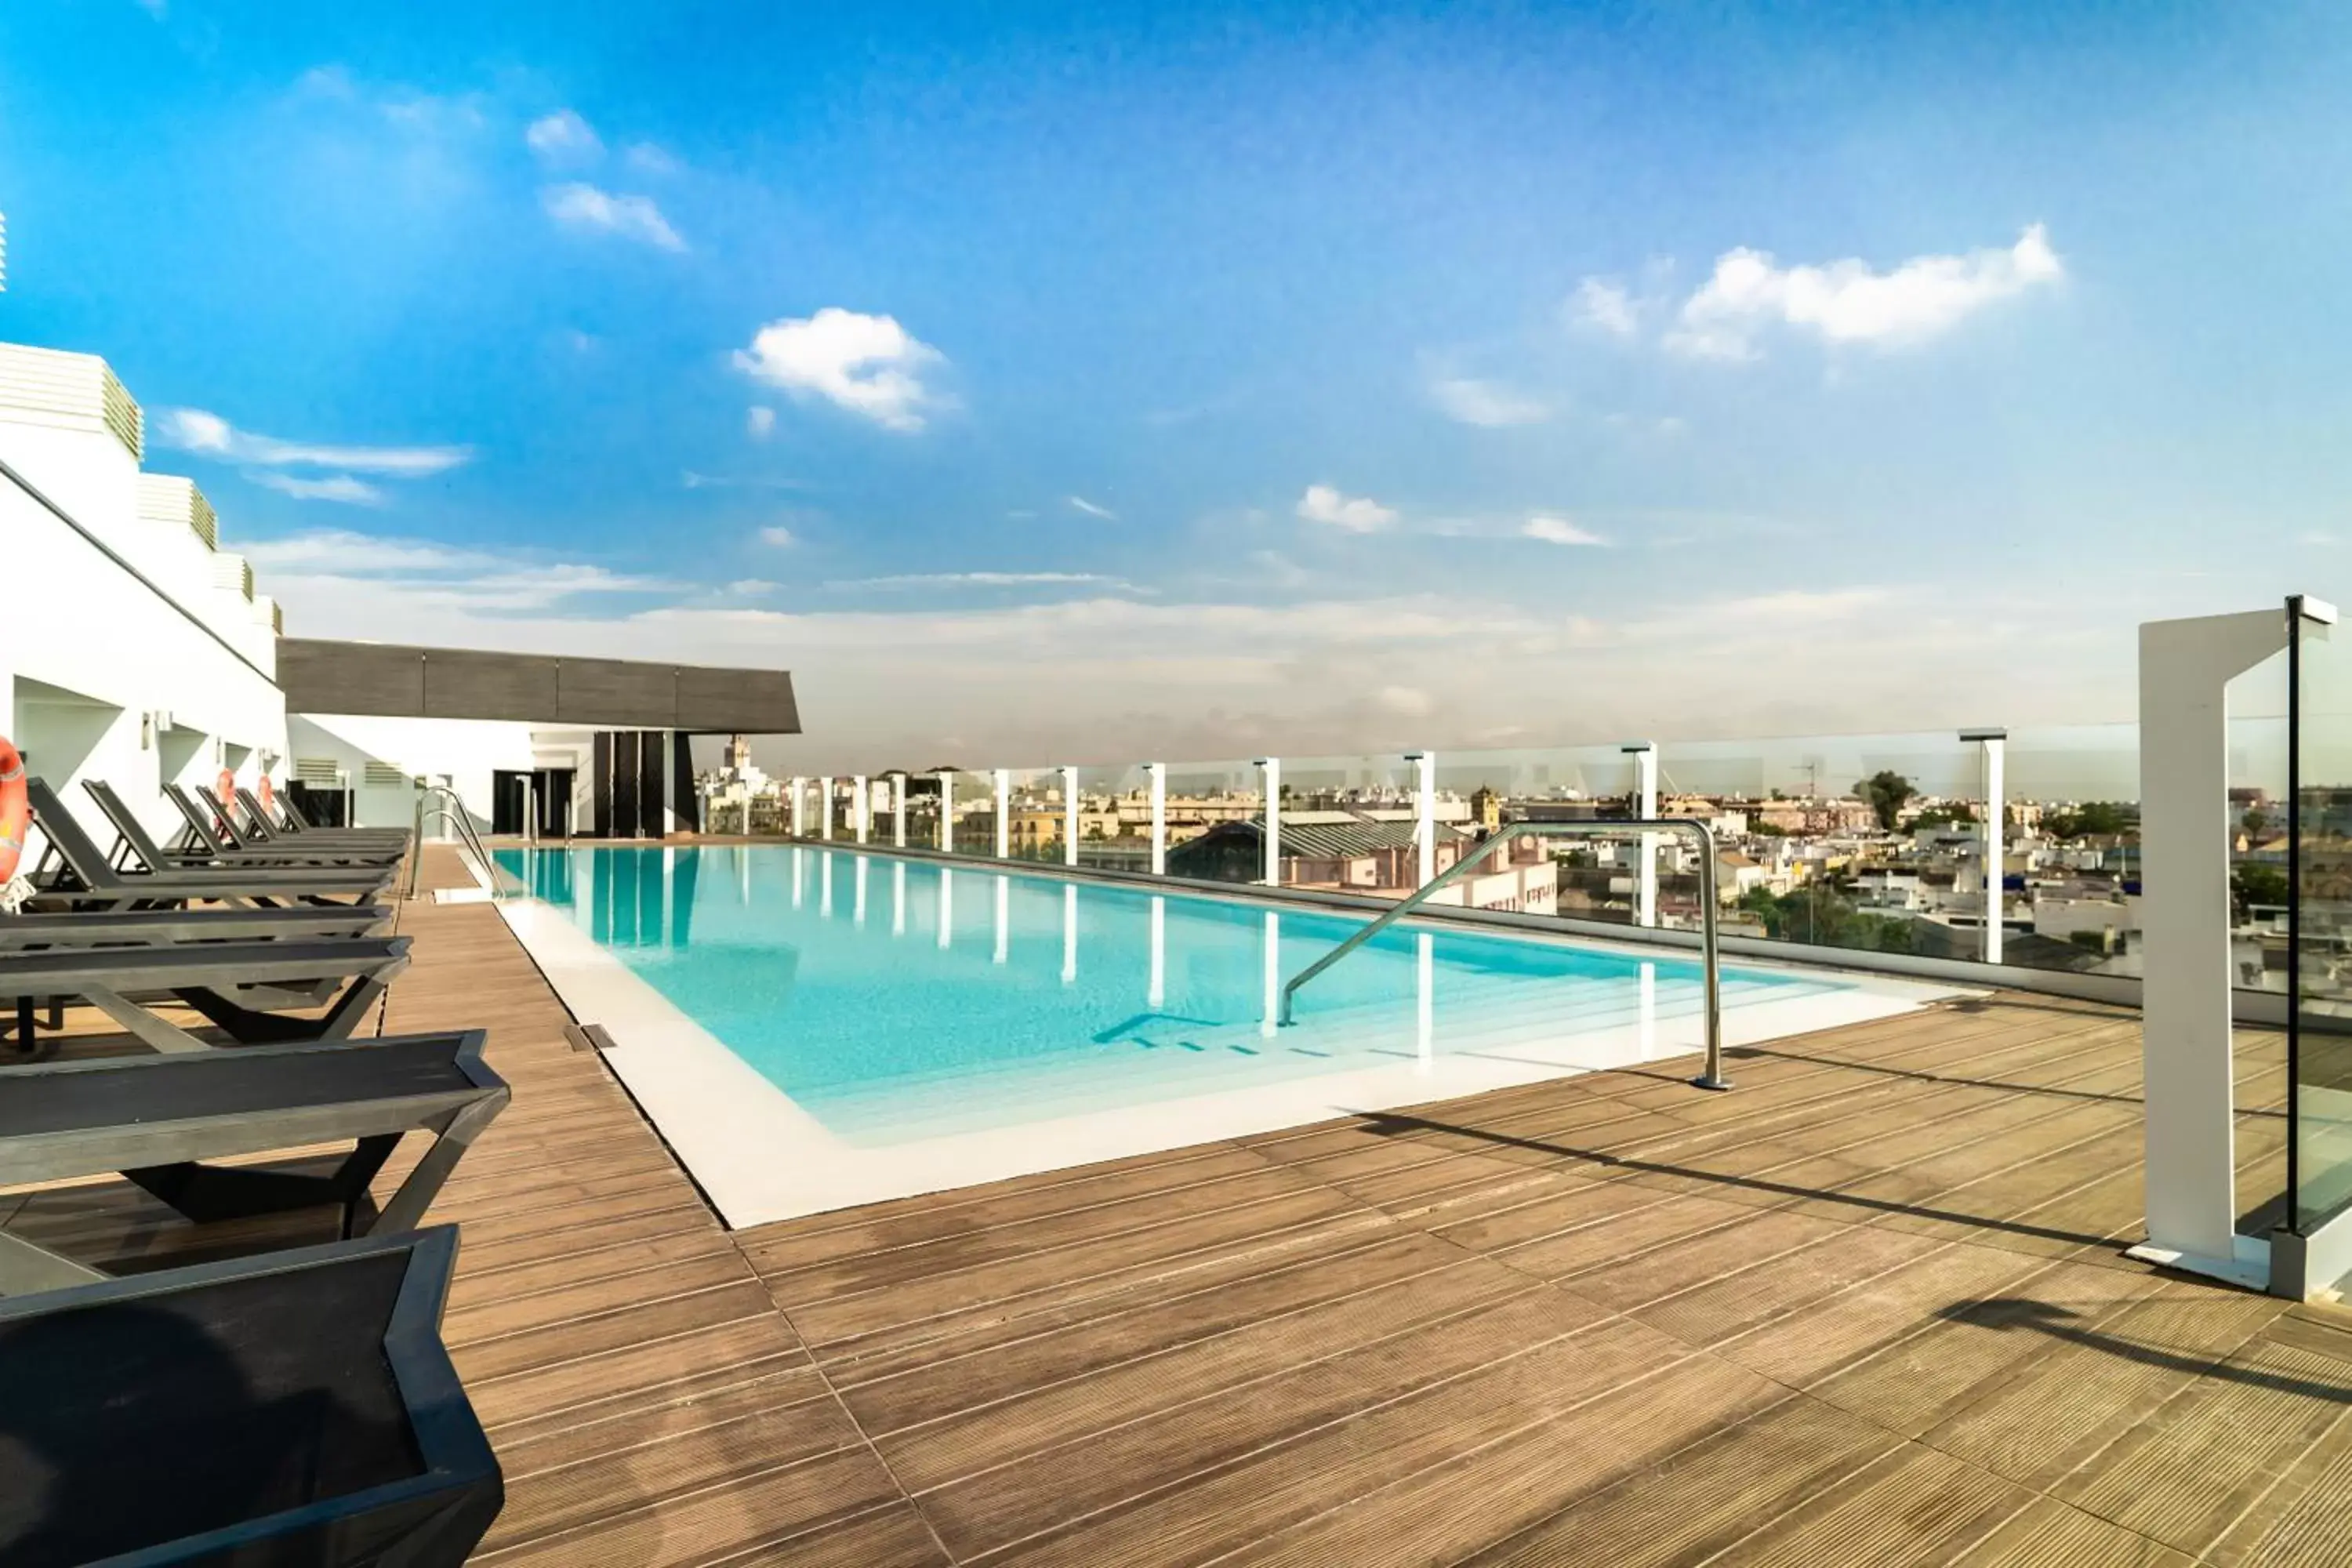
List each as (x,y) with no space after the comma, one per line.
(1712,1078)
(454,813)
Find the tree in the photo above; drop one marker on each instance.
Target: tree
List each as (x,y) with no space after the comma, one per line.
(1887,791)
(2255,883)
(2099,819)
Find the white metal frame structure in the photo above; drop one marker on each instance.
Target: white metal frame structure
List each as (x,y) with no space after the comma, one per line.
(1645,806)
(2184,670)
(1069,814)
(1157,773)
(1001,781)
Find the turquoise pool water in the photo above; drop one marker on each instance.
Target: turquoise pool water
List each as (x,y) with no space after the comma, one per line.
(893,999)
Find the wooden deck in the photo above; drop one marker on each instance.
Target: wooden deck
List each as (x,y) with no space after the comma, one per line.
(1871,1308)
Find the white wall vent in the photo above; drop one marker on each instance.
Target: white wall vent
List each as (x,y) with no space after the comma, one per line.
(317,771)
(384,775)
(166,498)
(68,392)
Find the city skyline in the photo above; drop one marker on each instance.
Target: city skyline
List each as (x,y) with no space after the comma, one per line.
(1087,386)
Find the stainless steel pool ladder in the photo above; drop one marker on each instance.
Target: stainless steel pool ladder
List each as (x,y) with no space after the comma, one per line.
(1483,852)
(454,813)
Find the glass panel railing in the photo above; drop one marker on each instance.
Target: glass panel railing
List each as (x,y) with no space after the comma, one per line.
(1215,831)
(2072,876)
(2318,870)
(1115,819)
(1037,815)
(1349,824)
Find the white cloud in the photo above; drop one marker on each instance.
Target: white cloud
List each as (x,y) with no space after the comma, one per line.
(1091,510)
(867,364)
(979,580)
(209,434)
(1559,531)
(648,159)
(339,567)
(759,422)
(155,8)
(751,587)
(1848,301)
(632,217)
(1604,304)
(1356,514)
(564,137)
(1410,701)
(1485,404)
(340,488)
(779,536)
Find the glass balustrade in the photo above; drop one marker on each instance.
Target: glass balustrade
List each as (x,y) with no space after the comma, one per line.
(2313,863)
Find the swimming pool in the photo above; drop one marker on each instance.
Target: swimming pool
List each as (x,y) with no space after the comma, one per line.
(929,1019)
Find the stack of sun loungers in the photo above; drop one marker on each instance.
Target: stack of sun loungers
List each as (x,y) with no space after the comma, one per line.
(284,1406)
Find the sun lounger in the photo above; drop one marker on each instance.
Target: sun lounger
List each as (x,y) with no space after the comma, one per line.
(296,1407)
(232,984)
(213,832)
(147,928)
(90,879)
(258,826)
(157,1119)
(154,857)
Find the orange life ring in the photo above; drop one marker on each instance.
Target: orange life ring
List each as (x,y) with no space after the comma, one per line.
(16,810)
(267,792)
(225,790)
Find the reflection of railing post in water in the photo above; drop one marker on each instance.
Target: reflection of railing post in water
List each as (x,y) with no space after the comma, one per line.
(1710,1078)
(946,907)
(898,897)
(1277,1001)
(1003,919)
(858,873)
(1155,996)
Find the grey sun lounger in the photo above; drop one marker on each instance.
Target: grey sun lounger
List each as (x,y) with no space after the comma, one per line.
(211,833)
(156,1120)
(148,927)
(292,1407)
(234,984)
(94,881)
(134,836)
(258,825)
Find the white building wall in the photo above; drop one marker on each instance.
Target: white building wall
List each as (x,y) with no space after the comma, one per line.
(107,678)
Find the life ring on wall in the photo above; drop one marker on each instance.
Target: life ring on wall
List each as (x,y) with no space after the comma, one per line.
(266,791)
(16,810)
(225,790)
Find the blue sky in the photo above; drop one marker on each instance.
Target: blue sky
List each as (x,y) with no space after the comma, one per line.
(1091,381)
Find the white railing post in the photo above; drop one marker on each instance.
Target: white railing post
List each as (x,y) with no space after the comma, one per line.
(800,802)
(1004,782)
(898,811)
(1069,816)
(1157,773)
(1645,806)
(824,806)
(1424,812)
(1994,745)
(1271,768)
(947,818)
(861,814)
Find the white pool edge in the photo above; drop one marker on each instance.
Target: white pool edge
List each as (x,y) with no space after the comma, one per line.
(760,1157)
